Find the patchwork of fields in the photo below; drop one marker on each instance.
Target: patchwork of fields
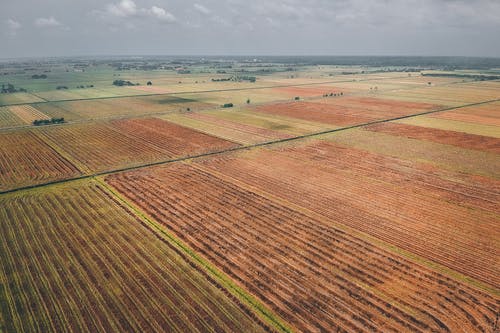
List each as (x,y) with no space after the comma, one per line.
(154,208)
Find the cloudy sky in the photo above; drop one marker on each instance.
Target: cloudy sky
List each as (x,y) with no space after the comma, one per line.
(257,27)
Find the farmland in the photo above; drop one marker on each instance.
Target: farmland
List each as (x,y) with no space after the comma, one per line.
(103,271)
(21,166)
(97,147)
(311,273)
(236,195)
(27,113)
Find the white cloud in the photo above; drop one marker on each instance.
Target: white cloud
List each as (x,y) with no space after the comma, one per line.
(161,14)
(12,27)
(129,9)
(124,8)
(50,22)
(202,9)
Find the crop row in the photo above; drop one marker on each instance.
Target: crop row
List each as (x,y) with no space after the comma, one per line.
(25,160)
(8,119)
(173,139)
(459,139)
(74,260)
(449,219)
(28,113)
(314,275)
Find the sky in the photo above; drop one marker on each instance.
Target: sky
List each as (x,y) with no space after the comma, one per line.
(38,28)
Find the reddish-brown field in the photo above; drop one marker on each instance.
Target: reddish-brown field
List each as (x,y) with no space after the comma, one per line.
(381,108)
(318,112)
(173,139)
(345,111)
(459,139)
(314,274)
(27,160)
(446,217)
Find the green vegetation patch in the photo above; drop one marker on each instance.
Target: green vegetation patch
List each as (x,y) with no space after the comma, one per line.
(175,99)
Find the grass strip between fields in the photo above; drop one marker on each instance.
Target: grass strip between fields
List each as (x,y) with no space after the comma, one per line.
(265,314)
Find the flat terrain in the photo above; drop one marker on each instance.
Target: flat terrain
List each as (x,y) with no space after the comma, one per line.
(74,259)
(315,275)
(239,196)
(25,159)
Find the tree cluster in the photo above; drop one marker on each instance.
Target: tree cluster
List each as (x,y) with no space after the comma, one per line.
(36,76)
(9,89)
(333,94)
(39,122)
(121,83)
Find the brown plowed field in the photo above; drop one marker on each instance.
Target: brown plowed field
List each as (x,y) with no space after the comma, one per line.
(74,260)
(313,274)
(381,108)
(345,111)
(318,112)
(174,139)
(27,160)
(442,216)
(99,147)
(459,139)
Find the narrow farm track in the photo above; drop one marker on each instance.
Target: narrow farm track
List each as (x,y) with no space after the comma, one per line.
(241,148)
(310,273)
(104,271)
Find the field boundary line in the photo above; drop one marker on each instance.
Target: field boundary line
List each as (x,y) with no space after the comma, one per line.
(202,91)
(247,147)
(208,108)
(60,151)
(251,302)
(415,258)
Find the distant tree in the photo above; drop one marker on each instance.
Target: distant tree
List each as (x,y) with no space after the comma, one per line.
(297,98)
(429,83)
(36,76)
(248,101)
(188,109)
(228,105)
(150,83)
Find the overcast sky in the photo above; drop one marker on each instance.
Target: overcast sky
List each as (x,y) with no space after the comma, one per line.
(256,27)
